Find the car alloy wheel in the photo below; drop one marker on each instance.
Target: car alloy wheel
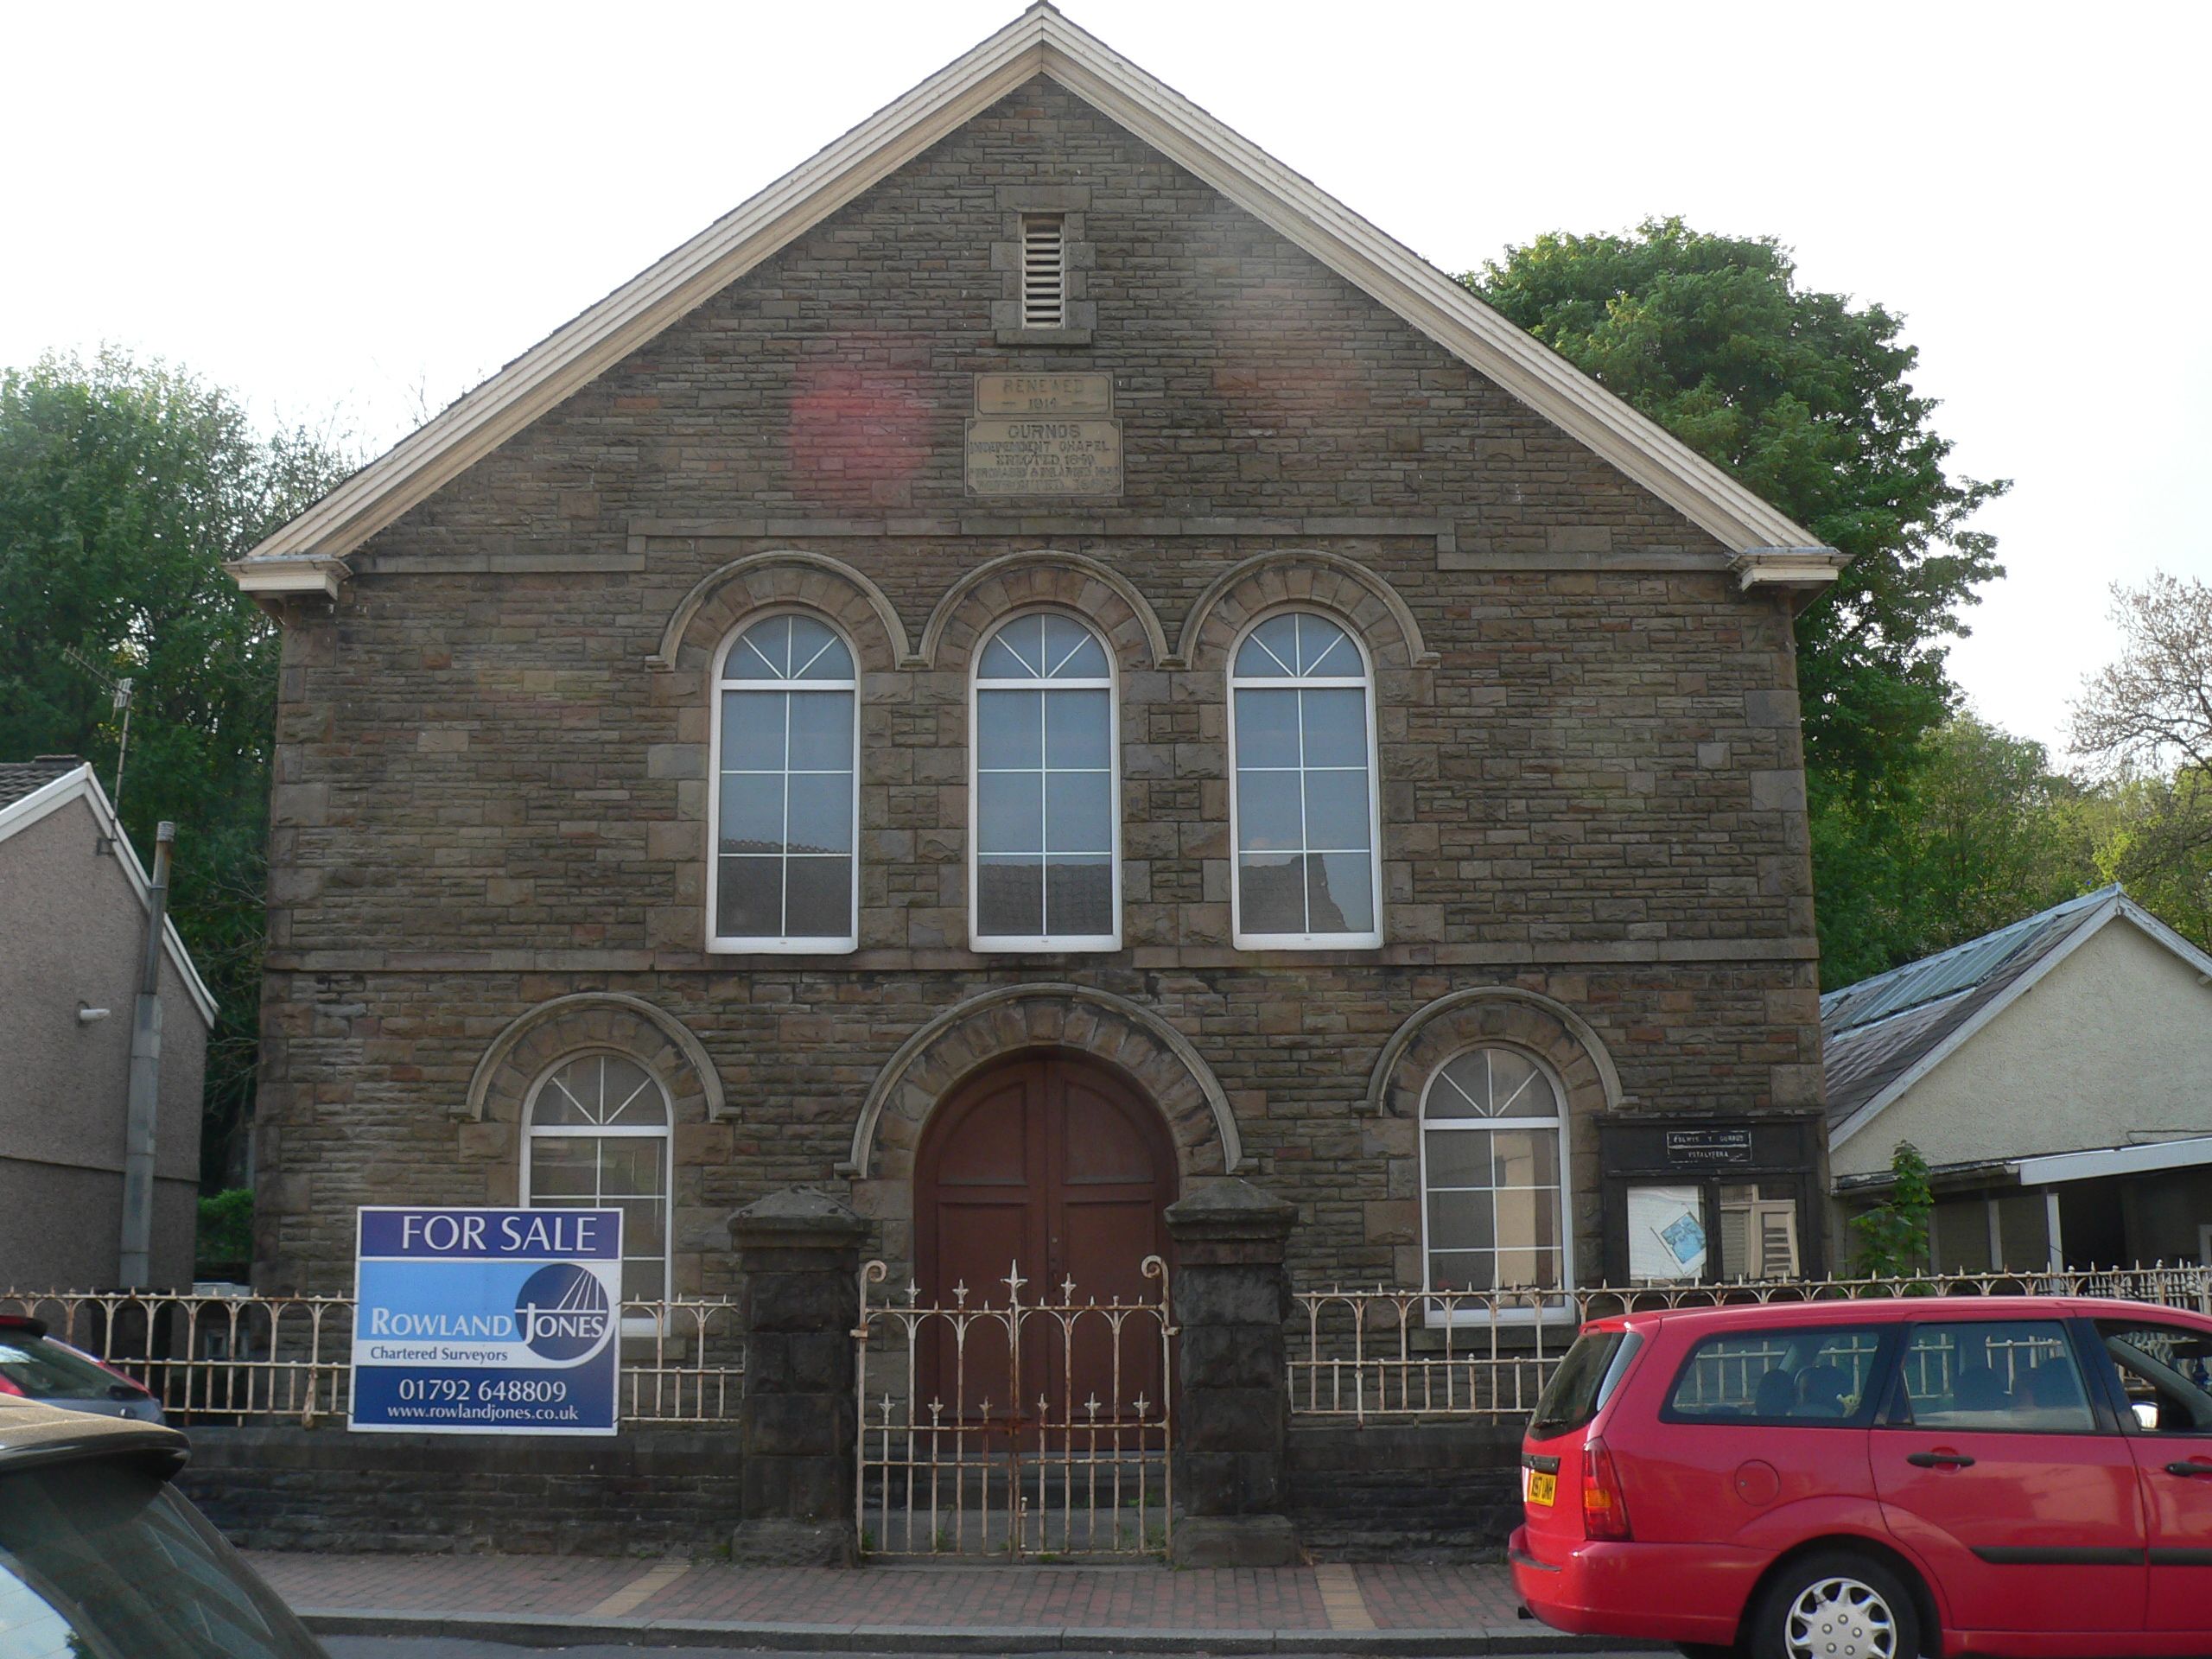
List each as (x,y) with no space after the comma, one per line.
(1839,1617)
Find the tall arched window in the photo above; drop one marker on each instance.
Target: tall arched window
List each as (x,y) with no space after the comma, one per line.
(598,1139)
(1044,865)
(1493,1147)
(785,811)
(1302,744)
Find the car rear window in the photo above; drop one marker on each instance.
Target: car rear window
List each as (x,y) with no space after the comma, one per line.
(47,1370)
(1811,1375)
(1586,1379)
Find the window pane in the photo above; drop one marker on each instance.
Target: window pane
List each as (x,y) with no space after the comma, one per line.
(1998,1376)
(1459,1220)
(1016,651)
(762,652)
(1078,729)
(1537,1269)
(1267,817)
(1458,1158)
(1516,1088)
(644,1226)
(749,899)
(1271,892)
(1462,1270)
(1324,649)
(2165,1372)
(1341,893)
(820,904)
(1270,651)
(1009,729)
(821,731)
(1525,1157)
(817,653)
(561,1166)
(1528,1216)
(822,812)
(753,731)
(629,1166)
(1079,897)
(1079,812)
(1010,898)
(1072,650)
(1009,812)
(645,1281)
(1335,811)
(1267,728)
(632,1098)
(752,813)
(1335,725)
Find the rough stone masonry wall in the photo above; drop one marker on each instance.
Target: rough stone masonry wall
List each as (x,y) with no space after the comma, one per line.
(488,794)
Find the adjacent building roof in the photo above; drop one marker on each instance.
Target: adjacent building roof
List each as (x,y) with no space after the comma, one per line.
(1884,1035)
(32,789)
(308,553)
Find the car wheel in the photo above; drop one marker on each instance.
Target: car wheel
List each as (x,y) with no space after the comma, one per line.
(1838,1605)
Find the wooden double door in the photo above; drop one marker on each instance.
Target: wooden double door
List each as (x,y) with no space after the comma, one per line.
(1056,1164)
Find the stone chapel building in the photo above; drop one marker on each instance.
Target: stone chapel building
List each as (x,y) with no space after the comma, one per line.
(1039,661)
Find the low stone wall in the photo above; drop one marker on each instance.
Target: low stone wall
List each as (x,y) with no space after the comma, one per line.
(1405,1492)
(647,1492)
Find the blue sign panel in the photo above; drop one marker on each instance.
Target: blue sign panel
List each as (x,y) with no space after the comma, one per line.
(487,1321)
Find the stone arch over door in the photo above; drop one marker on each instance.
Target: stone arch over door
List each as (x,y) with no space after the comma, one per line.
(1133,1041)
(1510,1017)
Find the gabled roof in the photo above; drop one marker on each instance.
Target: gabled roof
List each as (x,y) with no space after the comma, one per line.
(22,778)
(308,553)
(73,782)
(1882,1035)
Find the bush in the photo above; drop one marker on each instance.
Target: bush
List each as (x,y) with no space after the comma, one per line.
(226,1248)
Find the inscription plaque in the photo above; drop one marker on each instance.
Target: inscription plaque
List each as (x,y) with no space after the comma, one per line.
(1045,394)
(1044,457)
(1714,1148)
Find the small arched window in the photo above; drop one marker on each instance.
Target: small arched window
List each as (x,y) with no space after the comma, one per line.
(1304,810)
(598,1139)
(785,813)
(1493,1147)
(1044,865)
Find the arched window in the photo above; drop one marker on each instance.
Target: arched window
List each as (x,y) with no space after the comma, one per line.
(1301,743)
(785,812)
(597,1138)
(1045,862)
(1493,1150)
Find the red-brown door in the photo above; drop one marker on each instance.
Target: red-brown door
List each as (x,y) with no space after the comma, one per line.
(1055,1163)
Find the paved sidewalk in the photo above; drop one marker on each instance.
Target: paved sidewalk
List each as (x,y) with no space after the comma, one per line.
(923,1608)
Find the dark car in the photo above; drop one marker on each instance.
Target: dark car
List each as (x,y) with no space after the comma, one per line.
(35,1366)
(100,1555)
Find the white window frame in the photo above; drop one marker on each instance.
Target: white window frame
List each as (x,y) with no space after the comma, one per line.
(532,1131)
(1003,943)
(730,945)
(1556,1308)
(1364,683)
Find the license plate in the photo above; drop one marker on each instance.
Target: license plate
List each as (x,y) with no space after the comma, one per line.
(1543,1489)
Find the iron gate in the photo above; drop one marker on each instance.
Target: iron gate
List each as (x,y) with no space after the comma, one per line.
(983,1430)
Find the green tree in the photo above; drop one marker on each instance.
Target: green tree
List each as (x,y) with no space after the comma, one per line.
(1805,398)
(124,486)
(1893,1235)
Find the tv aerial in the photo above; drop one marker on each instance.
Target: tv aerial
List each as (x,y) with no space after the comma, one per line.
(120,690)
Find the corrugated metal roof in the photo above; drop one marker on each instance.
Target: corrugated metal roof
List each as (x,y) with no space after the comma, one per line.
(1876,1030)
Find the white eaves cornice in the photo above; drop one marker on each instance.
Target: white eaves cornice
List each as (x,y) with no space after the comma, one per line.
(308,552)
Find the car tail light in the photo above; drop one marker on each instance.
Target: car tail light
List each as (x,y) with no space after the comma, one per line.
(9,1385)
(1604,1510)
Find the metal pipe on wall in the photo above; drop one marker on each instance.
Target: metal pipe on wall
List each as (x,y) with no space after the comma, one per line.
(136,1263)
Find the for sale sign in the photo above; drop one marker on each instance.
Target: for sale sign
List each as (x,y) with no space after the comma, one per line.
(487,1321)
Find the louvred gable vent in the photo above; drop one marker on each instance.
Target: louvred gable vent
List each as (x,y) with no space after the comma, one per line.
(1044,271)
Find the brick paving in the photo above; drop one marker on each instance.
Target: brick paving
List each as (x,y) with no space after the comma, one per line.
(1134,1598)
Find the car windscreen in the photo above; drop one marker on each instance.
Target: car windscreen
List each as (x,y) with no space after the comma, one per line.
(103,1558)
(1583,1382)
(47,1370)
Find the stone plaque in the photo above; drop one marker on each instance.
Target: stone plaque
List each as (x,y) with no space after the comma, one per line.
(1045,394)
(1044,457)
(1718,1149)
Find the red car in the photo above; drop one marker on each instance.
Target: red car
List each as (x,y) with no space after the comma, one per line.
(2024,1475)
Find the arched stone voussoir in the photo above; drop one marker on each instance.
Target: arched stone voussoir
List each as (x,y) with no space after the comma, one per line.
(1301,576)
(539,1037)
(1017,1018)
(720,599)
(1087,587)
(1493,1013)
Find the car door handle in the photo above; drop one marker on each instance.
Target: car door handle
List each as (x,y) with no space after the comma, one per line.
(2189,1468)
(1940,1461)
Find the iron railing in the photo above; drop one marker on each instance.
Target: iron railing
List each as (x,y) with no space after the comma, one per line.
(219,1359)
(1402,1355)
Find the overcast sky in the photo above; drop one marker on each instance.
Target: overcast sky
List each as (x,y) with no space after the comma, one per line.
(368,209)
